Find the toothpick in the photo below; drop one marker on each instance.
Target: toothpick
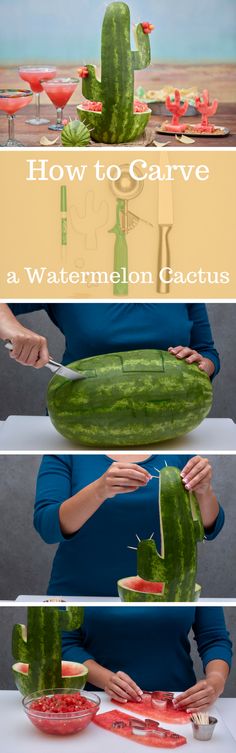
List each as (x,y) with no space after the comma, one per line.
(137,537)
(151,537)
(132,547)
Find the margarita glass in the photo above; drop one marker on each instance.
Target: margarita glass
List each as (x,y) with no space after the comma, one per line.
(12,100)
(59,91)
(34,74)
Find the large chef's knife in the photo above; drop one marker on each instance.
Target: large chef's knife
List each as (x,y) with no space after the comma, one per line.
(165,222)
(56,368)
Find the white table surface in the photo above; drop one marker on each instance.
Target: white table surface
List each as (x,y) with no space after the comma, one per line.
(19,735)
(29,433)
(26,598)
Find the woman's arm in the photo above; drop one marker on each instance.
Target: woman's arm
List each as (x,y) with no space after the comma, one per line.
(120,478)
(201,349)
(215,649)
(57,514)
(205,692)
(29,348)
(197,477)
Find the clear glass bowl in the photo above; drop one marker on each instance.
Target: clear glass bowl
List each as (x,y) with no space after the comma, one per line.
(61,723)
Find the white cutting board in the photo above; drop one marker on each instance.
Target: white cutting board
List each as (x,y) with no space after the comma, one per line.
(37,433)
(18,734)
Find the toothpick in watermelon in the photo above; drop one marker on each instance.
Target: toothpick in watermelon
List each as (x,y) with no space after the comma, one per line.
(171,574)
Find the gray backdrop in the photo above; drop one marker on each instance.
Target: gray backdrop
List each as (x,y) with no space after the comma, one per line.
(10,615)
(25,560)
(23,389)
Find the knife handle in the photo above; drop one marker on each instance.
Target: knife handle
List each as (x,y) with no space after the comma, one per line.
(52,365)
(163,259)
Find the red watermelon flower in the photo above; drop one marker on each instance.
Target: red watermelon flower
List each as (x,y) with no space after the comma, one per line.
(83,71)
(147,27)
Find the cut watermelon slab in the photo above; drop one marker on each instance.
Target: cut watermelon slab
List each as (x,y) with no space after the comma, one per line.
(167,713)
(135,588)
(73,675)
(111,718)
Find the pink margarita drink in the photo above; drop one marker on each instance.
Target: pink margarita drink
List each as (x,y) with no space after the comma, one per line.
(12,100)
(59,91)
(33,74)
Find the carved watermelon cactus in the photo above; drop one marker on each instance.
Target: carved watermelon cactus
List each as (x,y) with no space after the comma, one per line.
(174,569)
(37,650)
(116,122)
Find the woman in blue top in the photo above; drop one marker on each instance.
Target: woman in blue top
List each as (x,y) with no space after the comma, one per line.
(128,650)
(96,328)
(94,505)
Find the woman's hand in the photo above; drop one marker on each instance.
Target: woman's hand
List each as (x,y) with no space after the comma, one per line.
(202,695)
(29,349)
(122,688)
(192,356)
(197,475)
(121,478)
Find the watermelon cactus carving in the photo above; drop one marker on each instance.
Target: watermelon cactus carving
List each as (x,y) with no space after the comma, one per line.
(117,123)
(172,572)
(133,398)
(37,650)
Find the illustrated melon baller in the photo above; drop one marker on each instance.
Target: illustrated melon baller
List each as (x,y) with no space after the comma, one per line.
(57,368)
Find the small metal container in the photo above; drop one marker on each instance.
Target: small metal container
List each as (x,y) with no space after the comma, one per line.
(204,731)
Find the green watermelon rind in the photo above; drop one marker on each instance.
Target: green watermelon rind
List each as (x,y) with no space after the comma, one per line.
(129,398)
(94,121)
(128,595)
(26,687)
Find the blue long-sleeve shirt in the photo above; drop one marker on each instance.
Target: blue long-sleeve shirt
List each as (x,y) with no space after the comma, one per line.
(90,561)
(151,644)
(96,328)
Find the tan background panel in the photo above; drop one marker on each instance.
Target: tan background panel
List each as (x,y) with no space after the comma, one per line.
(203,233)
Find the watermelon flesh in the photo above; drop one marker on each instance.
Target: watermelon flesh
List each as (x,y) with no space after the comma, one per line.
(73,675)
(167,714)
(167,738)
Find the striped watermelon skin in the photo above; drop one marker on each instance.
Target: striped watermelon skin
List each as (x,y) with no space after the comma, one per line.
(39,646)
(73,675)
(133,398)
(181,527)
(117,123)
(128,594)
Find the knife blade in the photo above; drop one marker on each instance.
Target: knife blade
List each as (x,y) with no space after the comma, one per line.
(165,222)
(57,368)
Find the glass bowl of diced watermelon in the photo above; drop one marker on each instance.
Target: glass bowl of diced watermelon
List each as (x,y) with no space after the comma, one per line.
(61,711)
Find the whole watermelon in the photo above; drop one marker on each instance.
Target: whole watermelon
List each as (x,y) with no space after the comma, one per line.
(133,398)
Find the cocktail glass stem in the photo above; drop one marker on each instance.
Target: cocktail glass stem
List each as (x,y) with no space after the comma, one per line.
(11,127)
(37,120)
(58,126)
(59,116)
(37,102)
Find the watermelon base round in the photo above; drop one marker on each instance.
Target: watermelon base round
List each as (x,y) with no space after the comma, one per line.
(74,675)
(94,121)
(134,588)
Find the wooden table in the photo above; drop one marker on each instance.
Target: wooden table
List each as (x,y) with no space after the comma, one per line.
(219,79)
(30,135)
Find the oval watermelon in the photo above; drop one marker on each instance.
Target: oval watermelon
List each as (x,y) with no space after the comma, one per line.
(73,675)
(135,588)
(132,398)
